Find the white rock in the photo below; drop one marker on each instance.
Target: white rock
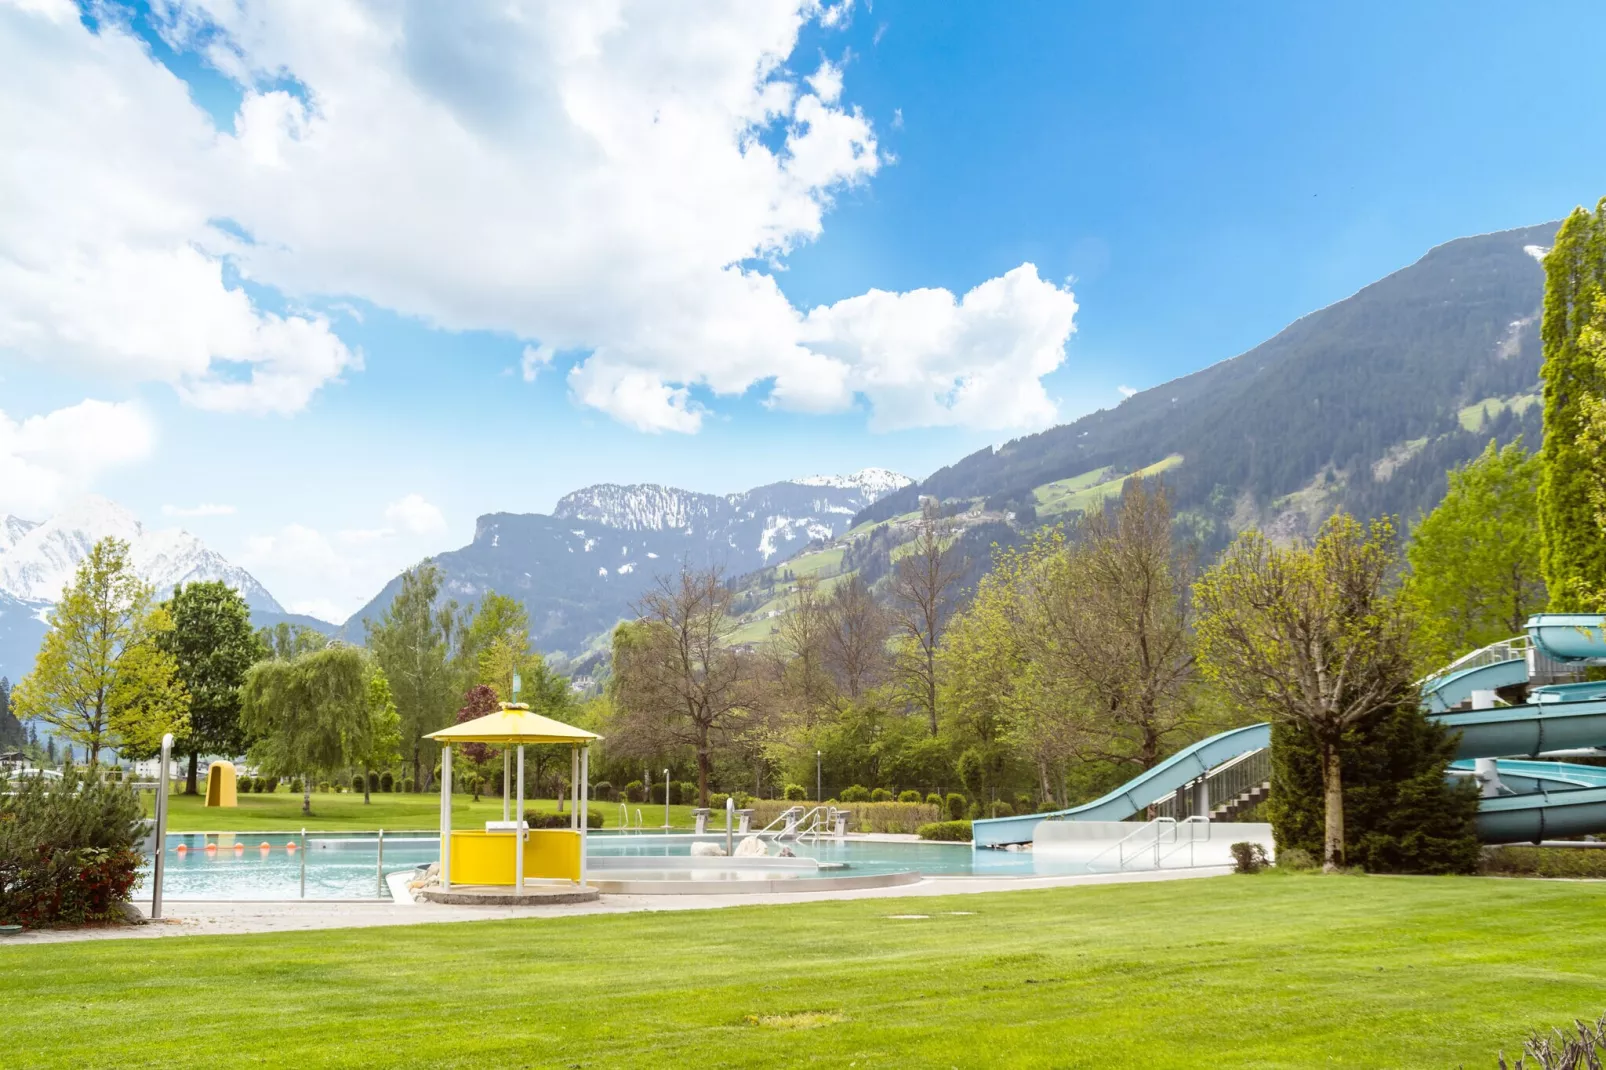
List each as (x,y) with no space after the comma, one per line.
(752,847)
(707,850)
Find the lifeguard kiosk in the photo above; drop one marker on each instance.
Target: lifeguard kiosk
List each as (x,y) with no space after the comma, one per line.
(507,852)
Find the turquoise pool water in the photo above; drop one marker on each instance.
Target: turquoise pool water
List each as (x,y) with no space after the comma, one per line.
(347,865)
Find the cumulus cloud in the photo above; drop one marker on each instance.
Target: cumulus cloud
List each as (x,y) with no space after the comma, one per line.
(48,458)
(331,576)
(615,181)
(204,509)
(1126,391)
(415,516)
(109,261)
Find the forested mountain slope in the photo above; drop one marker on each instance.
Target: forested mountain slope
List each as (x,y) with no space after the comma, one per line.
(1362,405)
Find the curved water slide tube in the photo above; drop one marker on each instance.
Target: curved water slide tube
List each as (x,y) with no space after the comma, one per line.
(1565,800)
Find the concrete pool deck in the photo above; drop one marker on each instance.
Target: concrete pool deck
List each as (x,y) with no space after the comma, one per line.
(233,918)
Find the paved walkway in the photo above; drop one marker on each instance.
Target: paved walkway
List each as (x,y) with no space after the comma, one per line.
(196,918)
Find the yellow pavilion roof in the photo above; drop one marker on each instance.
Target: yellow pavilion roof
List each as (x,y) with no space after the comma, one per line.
(513,724)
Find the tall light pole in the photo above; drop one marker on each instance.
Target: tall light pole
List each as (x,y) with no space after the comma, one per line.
(819,795)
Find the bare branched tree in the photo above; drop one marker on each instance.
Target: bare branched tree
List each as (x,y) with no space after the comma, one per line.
(924,583)
(674,681)
(1112,626)
(856,631)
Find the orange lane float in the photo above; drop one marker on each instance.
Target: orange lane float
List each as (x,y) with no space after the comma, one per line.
(183,849)
(290,847)
(211,848)
(239,848)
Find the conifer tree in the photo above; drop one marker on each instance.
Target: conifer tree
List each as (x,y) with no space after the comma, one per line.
(1572,550)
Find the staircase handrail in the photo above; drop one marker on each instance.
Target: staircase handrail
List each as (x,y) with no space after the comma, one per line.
(1495,653)
(769,830)
(1192,824)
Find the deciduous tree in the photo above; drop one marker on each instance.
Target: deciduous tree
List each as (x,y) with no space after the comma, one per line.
(1312,636)
(1475,558)
(102,678)
(925,581)
(412,642)
(212,643)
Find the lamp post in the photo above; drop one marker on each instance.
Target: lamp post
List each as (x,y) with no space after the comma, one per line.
(819,796)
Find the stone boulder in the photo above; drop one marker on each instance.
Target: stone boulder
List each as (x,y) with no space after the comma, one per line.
(752,847)
(707,850)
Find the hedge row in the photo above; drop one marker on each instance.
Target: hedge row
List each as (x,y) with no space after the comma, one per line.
(68,850)
(947,831)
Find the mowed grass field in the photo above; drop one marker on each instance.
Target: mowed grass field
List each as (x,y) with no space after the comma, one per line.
(331,812)
(1265,971)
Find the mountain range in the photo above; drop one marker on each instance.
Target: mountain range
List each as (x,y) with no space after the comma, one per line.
(579,569)
(1361,405)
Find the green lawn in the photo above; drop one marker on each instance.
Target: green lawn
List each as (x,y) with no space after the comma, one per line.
(1235,972)
(1473,416)
(281,812)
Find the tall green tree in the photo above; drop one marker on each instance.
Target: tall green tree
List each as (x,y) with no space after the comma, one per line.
(285,640)
(213,645)
(1475,558)
(412,642)
(310,715)
(102,678)
(12,734)
(1572,550)
(1311,636)
(383,746)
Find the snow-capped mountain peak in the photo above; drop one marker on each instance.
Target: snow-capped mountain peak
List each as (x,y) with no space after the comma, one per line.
(639,506)
(873,483)
(12,529)
(38,564)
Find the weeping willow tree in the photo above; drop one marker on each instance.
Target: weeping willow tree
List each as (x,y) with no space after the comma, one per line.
(316,713)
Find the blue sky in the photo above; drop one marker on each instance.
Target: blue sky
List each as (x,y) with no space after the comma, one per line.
(1195,176)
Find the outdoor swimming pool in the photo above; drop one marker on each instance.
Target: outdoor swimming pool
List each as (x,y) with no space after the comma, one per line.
(347,865)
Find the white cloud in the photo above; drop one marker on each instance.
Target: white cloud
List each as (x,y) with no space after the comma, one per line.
(333,576)
(204,509)
(534,359)
(1126,391)
(49,458)
(925,357)
(614,180)
(415,516)
(108,262)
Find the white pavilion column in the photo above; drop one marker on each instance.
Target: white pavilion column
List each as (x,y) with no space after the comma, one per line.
(507,757)
(446,816)
(574,785)
(585,793)
(518,831)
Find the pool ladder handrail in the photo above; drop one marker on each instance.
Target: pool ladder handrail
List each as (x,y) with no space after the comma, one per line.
(1151,829)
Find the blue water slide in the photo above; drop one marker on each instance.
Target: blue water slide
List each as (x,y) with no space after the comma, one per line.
(1569,636)
(1529,729)
(1444,693)
(1148,787)
(1521,776)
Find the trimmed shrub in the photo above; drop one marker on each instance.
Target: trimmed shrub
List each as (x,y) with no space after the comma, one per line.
(407,785)
(716,800)
(1572,862)
(635,791)
(864,817)
(934,800)
(323,786)
(1299,858)
(542,819)
(602,791)
(794,793)
(373,781)
(1001,809)
(1024,804)
(688,793)
(855,793)
(273,784)
(956,806)
(745,801)
(909,796)
(946,831)
(1248,857)
(387,783)
(882,795)
(68,849)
